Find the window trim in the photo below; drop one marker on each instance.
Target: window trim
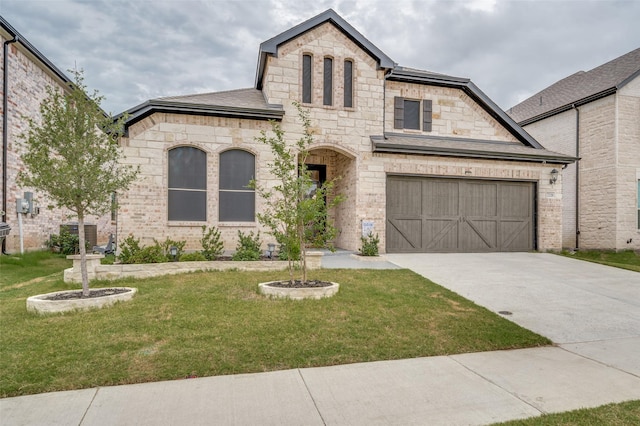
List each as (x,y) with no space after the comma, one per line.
(348,82)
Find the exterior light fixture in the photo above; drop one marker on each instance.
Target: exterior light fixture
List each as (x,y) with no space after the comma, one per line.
(173,251)
(271,248)
(554,176)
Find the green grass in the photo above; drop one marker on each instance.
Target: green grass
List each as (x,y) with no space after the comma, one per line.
(627,259)
(626,413)
(214,323)
(16,269)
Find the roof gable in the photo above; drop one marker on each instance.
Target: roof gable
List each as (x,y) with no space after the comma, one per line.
(270,47)
(579,88)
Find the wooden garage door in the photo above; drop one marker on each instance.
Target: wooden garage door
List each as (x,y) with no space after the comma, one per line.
(459,215)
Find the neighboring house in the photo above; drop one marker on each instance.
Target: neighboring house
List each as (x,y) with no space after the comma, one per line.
(427,159)
(26,74)
(594,115)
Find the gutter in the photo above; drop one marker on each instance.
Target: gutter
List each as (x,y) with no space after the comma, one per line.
(577,176)
(5,127)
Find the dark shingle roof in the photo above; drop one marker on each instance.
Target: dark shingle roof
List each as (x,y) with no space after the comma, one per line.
(579,88)
(241,103)
(468,148)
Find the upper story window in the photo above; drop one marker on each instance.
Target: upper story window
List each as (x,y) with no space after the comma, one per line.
(327,94)
(412,114)
(307,66)
(187,197)
(348,83)
(237,200)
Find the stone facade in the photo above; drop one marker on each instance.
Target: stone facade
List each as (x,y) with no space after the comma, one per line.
(28,79)
(342,143)
(609,169)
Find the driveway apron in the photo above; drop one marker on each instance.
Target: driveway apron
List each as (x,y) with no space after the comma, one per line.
(586,308)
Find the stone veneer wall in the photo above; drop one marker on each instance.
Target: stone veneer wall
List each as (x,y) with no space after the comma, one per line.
(27,88)
(341,141)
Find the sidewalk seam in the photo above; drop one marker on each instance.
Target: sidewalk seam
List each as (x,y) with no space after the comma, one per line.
(604,364)
(89,406)
(311,396)
(496,385)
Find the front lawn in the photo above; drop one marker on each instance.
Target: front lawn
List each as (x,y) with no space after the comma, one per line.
(627,259)
(213,323)
(626,413)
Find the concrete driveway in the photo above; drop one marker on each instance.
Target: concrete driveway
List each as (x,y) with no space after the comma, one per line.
(586,308)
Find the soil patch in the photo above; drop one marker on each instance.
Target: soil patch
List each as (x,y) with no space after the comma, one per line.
(101,292)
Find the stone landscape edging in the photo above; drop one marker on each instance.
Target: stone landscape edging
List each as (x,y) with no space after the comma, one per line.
(298,293)
(97,271)
(41,304)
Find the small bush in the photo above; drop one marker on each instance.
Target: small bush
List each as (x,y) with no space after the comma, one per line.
(248,246)
(370,245)
(193,257)
(212,245)
(150,254)
(283,253)
(129,249)
(66,243)
(166,246)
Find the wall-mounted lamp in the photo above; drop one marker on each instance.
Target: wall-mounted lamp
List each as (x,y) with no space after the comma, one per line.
(554,176)
(173,251)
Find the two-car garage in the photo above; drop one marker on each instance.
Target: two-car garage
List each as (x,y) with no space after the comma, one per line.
(426,214)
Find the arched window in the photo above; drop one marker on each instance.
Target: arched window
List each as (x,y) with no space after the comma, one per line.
(187,198)
(237,201)
(327,94)
(307,62)
(348,83)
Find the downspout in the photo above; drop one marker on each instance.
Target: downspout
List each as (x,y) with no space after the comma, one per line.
(577,177)
(5,128)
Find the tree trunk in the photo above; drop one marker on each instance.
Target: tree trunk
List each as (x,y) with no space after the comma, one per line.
(83,256)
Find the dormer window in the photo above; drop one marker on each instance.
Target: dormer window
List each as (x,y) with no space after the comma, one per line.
(327,96)
(307,62)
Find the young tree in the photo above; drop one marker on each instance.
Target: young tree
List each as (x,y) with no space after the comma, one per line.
(295,212)
(72,156)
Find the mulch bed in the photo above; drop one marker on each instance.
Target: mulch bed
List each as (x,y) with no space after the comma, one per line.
(101,292)
(299,284)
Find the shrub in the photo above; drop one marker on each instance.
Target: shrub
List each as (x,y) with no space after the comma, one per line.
(129,248)
(248,246)
(193,257)
(151,254)
(369,245)
(166,246)
(66,242)
(212,245)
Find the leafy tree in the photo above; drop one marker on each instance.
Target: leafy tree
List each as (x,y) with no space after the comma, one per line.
(295,212)
(72,155)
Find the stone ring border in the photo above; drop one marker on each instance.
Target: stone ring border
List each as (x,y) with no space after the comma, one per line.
(40,305)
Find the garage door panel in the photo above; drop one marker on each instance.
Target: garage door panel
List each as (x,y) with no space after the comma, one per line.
(516,235)
(441,234)
(405,196)
(405,234)
(478,235)
(459,215)
(440,198)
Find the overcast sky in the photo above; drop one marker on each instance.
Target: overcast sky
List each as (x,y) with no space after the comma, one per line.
(136,50)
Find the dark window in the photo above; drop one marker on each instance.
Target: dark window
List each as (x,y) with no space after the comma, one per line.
(187,198)
(412,115)
(407,114)
(306,79)
(348,84)
(237,200)
(327,97)
(114,207)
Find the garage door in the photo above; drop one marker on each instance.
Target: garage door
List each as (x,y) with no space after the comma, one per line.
(459,215)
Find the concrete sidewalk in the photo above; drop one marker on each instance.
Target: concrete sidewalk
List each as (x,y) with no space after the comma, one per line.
(469,389)
(596,363)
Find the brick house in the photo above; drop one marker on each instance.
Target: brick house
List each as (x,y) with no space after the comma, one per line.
(594,115)
(26,74)
(427,159)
